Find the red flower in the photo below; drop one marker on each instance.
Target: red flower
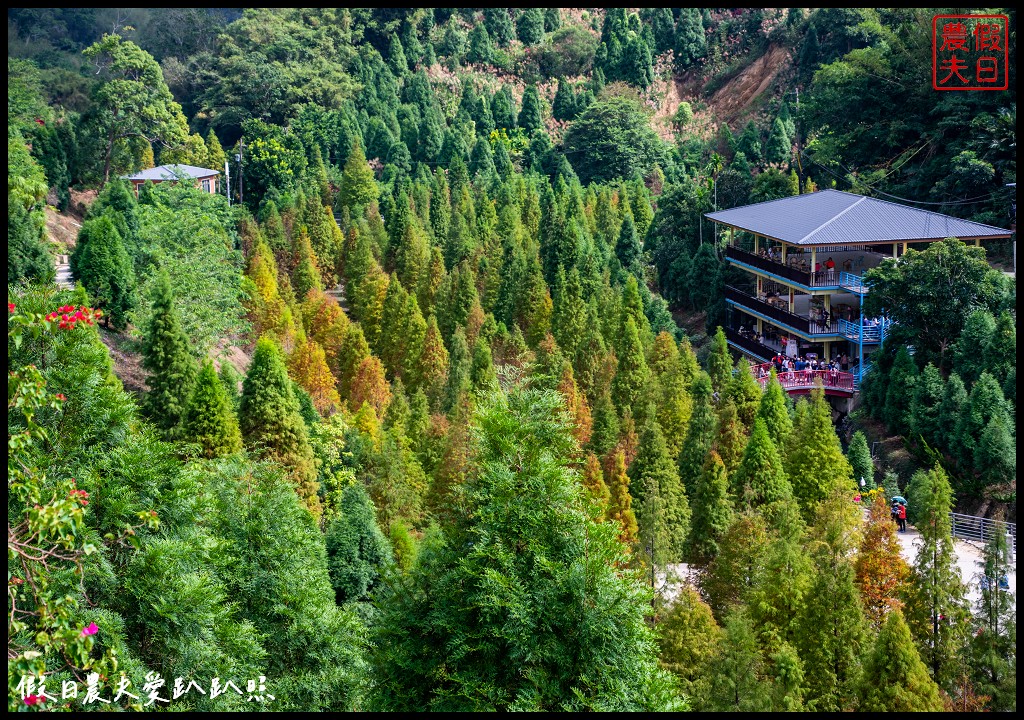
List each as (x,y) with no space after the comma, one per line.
(61,397)
(35,699)
(10,307)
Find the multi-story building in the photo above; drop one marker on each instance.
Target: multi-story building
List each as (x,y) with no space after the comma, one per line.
(803,259)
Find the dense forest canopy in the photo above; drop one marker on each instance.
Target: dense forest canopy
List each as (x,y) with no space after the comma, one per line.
(425,403)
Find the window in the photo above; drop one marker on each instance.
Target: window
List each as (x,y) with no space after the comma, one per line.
(206,185)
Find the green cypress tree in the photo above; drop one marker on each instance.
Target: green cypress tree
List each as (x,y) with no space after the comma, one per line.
(895,679)
(815,462)
(860,460)
(760,478)
(831,631)
(306,275)
(1001,353)
(481,372)
(984,402)
(739,678)
(210,418)
(730,438)
(632,374)
(779,146)
(902,378)
(712,511)
(530,26)
(499,24)
(358,554)
(605,432)
(459,363)
(166,356)
(772,409)
(954,399)
(700,434)
(691,44)
(719,363)
(102,264)
(444,639)
(970,348)
(627,247)
(995,456)
(231,381)
(744,390)
(663,512)
(994,642)
(936,607)
(480,49)
(358,186)
(271,424)
(529,114)
(926,405)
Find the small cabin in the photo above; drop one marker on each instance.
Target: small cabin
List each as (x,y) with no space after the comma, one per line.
(204,178)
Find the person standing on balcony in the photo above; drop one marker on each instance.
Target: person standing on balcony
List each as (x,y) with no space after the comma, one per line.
(830,268)
(844,363)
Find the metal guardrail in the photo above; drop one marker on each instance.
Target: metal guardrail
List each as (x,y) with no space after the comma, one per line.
(979,529)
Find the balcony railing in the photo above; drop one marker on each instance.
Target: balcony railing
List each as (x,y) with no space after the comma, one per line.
(749,345)
(866,333)
(805,379)
(792,320)
(822,278)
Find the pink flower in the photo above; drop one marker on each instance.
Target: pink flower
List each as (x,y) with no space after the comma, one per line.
(35,699)
(90,629)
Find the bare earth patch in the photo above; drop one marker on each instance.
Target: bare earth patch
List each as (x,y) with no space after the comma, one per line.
(732,98)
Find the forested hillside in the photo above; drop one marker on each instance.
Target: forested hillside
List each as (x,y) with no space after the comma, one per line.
(434,398)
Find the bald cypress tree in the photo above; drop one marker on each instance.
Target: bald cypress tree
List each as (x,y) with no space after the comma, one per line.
(895,679)
(633,374)
(597,489)
(700,434)
(166,356)
(209,419)
(744,390)
(814,457)
(663,511)
(760,478)
(712,511)
(859,457)
(620,506)
(719,363)
(271,424)
(936,607)
(772,409)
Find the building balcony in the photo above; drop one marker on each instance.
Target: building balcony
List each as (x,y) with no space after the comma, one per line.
(796,272)
(796,382)
(810,328)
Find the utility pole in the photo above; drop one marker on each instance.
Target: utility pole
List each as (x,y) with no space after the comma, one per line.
(240,157)
(227,180)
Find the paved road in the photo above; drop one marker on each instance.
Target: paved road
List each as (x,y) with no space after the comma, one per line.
(969,555)
(64,279)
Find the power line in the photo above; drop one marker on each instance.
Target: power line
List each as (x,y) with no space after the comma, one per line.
(969,201)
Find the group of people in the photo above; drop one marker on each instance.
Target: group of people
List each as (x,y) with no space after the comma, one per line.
(786,366)
(899,515)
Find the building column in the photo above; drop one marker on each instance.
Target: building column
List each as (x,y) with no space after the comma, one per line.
(757,243)
(732,236)
(783,253)
(828,351)
(792,300)
(977,242)
(904,248)
(895,250)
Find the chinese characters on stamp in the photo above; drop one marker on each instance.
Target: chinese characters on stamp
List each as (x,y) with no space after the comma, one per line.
(970,52)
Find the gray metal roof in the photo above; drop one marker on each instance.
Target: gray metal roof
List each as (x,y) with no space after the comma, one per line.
(833,217)
(169,172)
